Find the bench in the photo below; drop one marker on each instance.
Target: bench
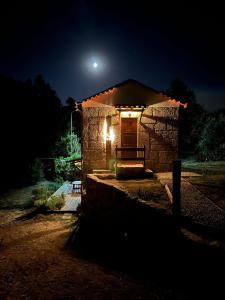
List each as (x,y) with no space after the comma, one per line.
(76,186)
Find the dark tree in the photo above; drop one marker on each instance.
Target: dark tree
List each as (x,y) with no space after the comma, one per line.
(29,121)
(191,118)
(211,144)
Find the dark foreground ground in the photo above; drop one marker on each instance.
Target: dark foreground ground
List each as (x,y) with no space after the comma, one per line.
(36,262)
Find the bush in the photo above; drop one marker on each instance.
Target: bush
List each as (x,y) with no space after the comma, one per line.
(67,149)
(37,170)
(68,146)
(65,169)
(41,204)
(43,199)
(211,145)
(45,190)
(41,193)
(55,202)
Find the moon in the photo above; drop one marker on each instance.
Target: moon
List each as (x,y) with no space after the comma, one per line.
(95,65)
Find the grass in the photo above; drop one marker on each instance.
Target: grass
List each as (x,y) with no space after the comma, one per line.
(212,181)
(20,198)
(206,167)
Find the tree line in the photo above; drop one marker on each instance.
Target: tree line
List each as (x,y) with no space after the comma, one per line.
(201,134)
(32,120)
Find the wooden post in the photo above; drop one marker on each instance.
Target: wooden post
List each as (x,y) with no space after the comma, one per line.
(176,206)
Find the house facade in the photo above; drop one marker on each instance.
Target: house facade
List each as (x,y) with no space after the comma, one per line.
(129,114)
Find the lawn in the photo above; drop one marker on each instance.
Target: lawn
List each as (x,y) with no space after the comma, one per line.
(212,181)
(206,167)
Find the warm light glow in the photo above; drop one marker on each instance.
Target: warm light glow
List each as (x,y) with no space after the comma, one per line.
(104,133)
(108,134)
(111,135)
(130,114)
(173,101)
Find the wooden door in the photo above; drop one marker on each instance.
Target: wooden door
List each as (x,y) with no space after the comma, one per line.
(129,136)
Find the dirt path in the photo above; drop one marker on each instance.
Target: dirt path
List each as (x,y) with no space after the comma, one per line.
(35,265)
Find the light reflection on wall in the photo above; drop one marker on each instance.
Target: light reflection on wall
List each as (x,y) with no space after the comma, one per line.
(111,135)
(107,133)
(104,132)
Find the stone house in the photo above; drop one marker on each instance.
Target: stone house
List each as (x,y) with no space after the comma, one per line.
(129,114)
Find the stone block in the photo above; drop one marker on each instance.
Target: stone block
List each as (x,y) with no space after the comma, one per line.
(166,156)
(164,167)
(95,155)
(154,155)
(151,165)
(94,145)
(169,126)
(93,121)
(157,147)
(148,120)
(148,111)
(160,126)
(158,112)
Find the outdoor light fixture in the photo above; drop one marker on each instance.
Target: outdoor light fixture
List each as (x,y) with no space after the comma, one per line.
(130,114)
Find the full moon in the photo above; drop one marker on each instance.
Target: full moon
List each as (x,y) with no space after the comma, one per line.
(95,65)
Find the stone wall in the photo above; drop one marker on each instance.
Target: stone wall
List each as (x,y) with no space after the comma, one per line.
(157,130)
(93,144)
(112,206)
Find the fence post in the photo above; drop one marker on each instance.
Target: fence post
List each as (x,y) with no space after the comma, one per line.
(176,206)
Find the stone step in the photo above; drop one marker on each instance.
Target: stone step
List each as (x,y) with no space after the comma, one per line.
(130,171)
(101,171)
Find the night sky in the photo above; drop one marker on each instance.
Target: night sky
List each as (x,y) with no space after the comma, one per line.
(150,43)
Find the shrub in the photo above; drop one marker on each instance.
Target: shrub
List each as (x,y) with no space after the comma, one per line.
(55,202)
(37,170)
(68,146)
(41,204)
(211,145)
(65,169)
(45,190)
(67,149)
(42,193)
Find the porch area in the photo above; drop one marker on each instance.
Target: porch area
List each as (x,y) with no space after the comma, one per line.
(72,195)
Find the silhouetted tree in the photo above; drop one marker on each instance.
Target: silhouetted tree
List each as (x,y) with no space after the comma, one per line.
(30,113)
(211,144)
(71,103)
(191,118)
